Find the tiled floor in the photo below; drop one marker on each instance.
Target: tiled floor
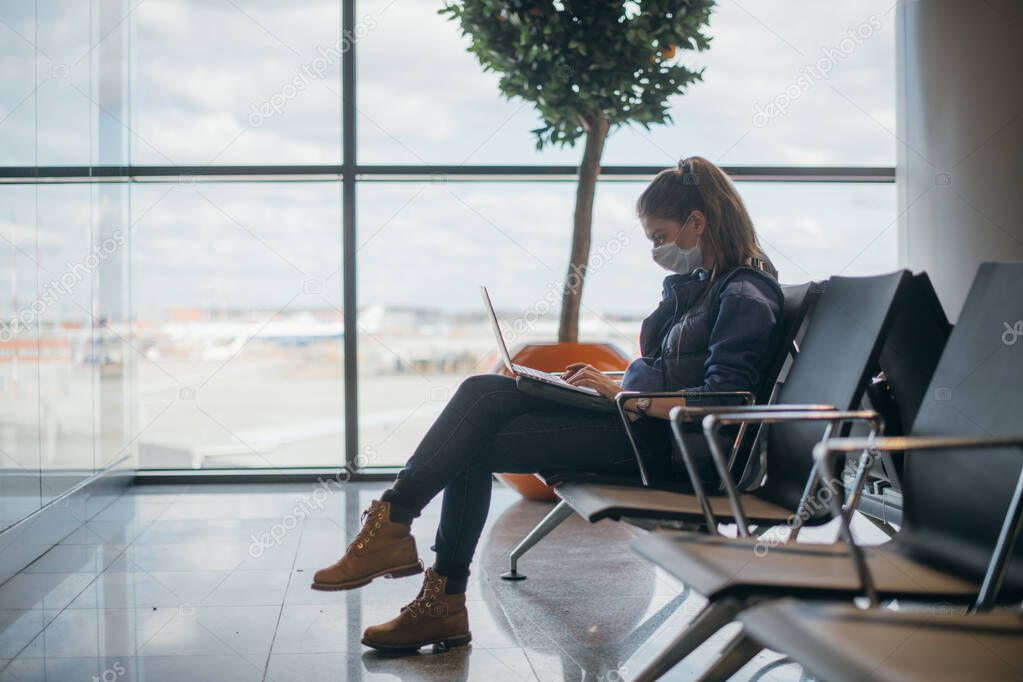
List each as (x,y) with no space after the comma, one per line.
(211,582)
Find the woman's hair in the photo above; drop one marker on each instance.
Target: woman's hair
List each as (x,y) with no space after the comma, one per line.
(696,184)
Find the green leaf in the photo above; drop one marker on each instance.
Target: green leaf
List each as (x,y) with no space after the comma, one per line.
(584,55)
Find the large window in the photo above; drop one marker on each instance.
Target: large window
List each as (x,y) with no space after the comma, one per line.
(785,82)
(256,319)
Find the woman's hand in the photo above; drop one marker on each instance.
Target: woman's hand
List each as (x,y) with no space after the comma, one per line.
(581,374)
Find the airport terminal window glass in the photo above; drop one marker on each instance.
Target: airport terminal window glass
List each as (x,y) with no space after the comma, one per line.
(423,99)
(19,356)
(17,84)
(237,324)
(236,82)
(65,100)
(785,83)
(68,366)
(112,354)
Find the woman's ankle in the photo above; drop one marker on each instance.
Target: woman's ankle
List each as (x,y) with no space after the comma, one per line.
(399,512)
(456,574)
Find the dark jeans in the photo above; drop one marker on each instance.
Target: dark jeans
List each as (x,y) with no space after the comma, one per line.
(489,427)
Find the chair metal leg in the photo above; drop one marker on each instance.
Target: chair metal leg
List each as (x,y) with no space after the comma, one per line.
(732,658)
(554,518)
(712,618)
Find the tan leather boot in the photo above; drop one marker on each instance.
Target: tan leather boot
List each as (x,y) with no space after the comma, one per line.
(382,548)
(432,618)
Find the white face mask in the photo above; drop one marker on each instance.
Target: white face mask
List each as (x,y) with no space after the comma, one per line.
(673,257)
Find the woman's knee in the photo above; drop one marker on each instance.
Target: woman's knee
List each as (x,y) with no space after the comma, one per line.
(492,395)
(479,384)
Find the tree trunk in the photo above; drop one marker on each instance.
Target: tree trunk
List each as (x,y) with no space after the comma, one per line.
(571,296)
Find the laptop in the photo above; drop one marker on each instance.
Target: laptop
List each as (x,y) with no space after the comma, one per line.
(527,372)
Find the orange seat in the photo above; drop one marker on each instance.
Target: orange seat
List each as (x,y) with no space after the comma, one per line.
(554,357)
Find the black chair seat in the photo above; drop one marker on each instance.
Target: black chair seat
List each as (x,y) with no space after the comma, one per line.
(720,567)
(554,478)
(841,642)
(597,501)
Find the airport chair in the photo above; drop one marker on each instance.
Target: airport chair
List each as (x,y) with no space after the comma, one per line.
(954,500)
(843,642)
(840,343)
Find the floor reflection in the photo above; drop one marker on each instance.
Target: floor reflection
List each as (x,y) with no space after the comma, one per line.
(211,582)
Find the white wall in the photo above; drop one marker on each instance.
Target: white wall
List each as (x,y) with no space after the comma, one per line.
(960,131)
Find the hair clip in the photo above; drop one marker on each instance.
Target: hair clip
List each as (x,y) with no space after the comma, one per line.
(688,177)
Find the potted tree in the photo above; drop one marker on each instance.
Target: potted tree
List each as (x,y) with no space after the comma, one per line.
(588,67)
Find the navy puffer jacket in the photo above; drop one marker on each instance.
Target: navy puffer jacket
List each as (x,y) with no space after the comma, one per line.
(719,343)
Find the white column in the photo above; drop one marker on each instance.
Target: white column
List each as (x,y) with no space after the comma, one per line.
(960,129)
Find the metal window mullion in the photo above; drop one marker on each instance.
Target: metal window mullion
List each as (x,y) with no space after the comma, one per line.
(349,165)
(348,241)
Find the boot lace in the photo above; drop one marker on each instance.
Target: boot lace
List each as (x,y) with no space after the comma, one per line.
(374,514)
(421,604)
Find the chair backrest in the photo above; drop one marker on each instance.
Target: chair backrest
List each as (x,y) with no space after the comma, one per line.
(913,347)
(954,501)
(798,302)
(908,357)
(841,344)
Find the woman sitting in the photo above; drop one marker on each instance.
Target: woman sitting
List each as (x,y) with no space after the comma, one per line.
(712,331)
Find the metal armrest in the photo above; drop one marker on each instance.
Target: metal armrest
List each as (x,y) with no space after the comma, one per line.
(621,397)
(825,451)
(628,395)
(690,413)
(712,422)
(614,374)
(681,413)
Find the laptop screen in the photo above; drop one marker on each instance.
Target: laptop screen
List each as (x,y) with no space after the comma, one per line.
(497,329)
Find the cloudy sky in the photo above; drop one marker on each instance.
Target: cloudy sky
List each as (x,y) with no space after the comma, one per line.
(198,70)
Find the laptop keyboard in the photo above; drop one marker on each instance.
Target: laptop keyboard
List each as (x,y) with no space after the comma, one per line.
(537,374)
(552,378)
